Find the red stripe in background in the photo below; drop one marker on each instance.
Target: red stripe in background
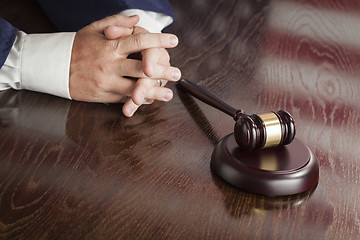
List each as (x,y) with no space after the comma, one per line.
(336,5)
(304,49)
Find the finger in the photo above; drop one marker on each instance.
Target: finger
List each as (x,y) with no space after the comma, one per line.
(139,42)
(138,30)
(133,68)
(153,56)
(116,20)
(115,32)
(129,108)
(139,92)
(164,58)
(150,57)
(160,93)
(118,85)
(168,73)
(146,89)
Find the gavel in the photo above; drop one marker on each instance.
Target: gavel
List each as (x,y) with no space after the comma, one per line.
(251,132)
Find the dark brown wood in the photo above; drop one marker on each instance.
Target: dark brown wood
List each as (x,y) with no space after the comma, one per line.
(74,170)
(238,158)
(250,130)
(278,171)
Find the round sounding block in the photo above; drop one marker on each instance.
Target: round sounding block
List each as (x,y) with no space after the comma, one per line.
(277,171)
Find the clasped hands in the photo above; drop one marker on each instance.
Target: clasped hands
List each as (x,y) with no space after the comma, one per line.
(100,70)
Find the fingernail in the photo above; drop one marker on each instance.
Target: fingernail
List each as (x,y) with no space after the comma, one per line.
(176,75)
(168,95)
(173,41)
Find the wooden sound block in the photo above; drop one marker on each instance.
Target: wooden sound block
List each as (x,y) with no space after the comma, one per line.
(278,171)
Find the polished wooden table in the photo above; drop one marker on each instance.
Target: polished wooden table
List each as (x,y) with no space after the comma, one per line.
(74,170)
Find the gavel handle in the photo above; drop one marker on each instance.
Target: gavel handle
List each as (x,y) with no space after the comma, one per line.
(208,98)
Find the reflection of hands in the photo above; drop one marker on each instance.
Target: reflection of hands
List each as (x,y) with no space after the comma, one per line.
(98,65)
(147,88)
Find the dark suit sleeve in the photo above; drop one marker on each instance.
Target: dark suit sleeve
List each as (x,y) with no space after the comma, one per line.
(70,15)
(7,37)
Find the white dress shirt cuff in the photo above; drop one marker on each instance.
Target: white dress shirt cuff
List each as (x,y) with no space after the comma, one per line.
(45,63)
(151,21)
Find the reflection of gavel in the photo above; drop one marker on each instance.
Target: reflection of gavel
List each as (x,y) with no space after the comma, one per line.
(251,131)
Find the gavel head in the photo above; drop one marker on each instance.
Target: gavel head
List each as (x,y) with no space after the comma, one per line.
(264,130)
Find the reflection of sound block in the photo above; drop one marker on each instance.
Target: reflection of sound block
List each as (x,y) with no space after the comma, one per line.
(278,171)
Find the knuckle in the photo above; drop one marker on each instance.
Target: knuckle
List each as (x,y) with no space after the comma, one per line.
(166,73)
(100,84)
(154,93)
(110,46)
(104,68)
(114,47)
(140,40)
(138,97)
(162,39)
(157,94)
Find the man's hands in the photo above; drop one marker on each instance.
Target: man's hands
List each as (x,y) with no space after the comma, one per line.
(99,67)
(147,89)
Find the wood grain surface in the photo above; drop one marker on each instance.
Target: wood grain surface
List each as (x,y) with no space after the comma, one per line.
(74,170)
